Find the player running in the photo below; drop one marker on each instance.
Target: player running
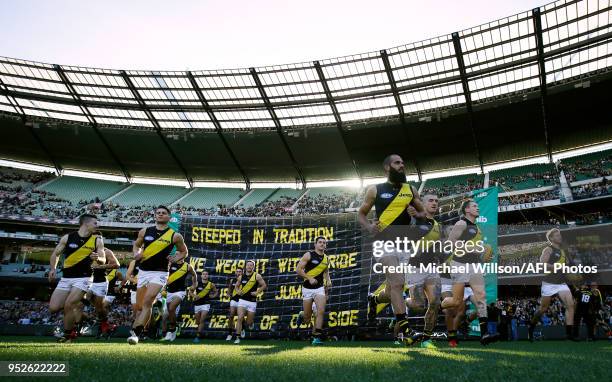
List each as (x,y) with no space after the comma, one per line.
(232,294)
(554,283)
(468,252)
(313,268)
(428,231)
(156,243)
(391,201)
(586,308)
(100,287)
(248,287)
(175,289)
(80,250)
(202,295)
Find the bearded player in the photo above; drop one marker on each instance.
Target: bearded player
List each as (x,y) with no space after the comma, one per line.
(391,201)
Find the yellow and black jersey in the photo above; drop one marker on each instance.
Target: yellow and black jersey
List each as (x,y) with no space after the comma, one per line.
(232,287)
(249,284)
(203,293)
(557,256)
(157,247)
(586,301)
(427,231)
(391,203)
(99,275)
(77,262)
(113,280)
(315,267)
(471,234)
(177,276)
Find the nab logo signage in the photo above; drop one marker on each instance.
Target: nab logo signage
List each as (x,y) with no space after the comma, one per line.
(482,219)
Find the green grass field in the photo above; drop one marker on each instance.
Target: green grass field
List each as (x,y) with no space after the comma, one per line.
(91,360)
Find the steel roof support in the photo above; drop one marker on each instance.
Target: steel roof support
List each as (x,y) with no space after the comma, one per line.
(279,127)
(337,117)
(156,124)
(92,121)
(400,108)
(218,128)
(58,167)
(537,25)
(467,95)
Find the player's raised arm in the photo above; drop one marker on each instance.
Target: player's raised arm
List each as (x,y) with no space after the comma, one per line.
(181,248)
(138,243)
(57,251)
(262,285)
(365,208)
(301,268)
(457,231)
(194,277)
(417,203)
(214,291)
(545,256)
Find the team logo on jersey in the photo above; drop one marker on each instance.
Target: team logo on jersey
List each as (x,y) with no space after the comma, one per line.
(472,231)
(424,227)
(386,195)
(73,245)
(315,261)
(149,238)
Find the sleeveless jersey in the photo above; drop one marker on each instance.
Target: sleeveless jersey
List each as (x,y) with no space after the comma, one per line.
(203,293)
(233,295)
(556,256)
(157,247)
(315,267)
(76,255)
(471,234)
(249,284)
(176,278)
(112,278)
(428,230)
(391,203)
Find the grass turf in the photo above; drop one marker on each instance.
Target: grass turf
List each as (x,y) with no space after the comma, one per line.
(115,360)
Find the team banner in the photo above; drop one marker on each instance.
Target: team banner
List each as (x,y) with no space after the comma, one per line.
(223,244)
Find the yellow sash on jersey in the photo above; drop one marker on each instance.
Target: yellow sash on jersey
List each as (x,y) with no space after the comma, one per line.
(396,207)
(250,284)
(473,241)
(178,274)
(561,258)
(314,272)
(81,253)
(111,275)
(434,233)
(158,245)
(205,291)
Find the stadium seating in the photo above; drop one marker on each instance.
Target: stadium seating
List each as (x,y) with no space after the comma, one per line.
(285,193)
(21,180)
(75,189)
(147,194)
(588,166)
(525,177)
(454,184)
(212,197)
(257,196)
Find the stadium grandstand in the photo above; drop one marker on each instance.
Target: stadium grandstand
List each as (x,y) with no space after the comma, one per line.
(518,107)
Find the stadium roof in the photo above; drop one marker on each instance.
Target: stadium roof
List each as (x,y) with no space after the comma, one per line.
(328,119)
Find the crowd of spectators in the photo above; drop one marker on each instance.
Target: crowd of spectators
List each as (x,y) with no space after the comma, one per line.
(17,312)
(541,179)
(529,198)
(595,168)
(592,190)
(444,189)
